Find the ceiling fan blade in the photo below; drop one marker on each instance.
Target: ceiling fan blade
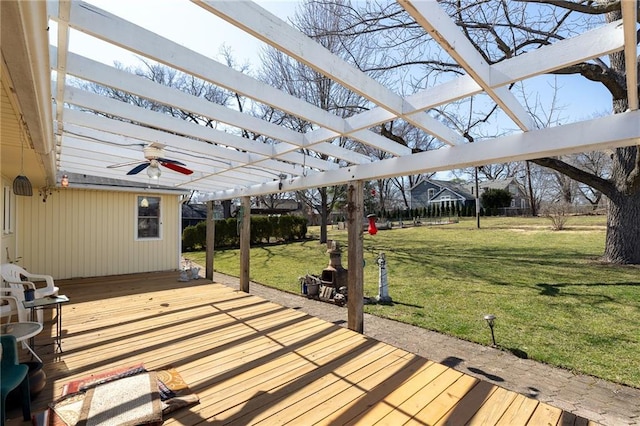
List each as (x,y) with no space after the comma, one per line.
(130,163)
(167,160)
(176,168)
(137,169)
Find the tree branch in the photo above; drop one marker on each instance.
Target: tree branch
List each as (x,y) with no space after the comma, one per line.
(612,81)
(596,182)
(633,180)
(590,8)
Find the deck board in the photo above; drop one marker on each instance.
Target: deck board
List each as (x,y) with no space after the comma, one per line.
(252,361)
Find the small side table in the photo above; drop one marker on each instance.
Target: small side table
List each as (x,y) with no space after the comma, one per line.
(23,331)
(50,302)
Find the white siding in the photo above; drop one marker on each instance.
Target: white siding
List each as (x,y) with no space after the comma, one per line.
(87,233)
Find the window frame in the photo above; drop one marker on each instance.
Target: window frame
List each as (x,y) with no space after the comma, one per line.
(139,216)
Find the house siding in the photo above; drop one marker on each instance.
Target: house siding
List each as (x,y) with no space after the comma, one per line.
(86,233)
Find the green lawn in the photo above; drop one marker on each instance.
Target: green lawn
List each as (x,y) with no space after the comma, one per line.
(553,299)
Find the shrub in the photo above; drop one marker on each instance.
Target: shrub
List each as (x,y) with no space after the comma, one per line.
(558,214)
(264,229)
(496,198)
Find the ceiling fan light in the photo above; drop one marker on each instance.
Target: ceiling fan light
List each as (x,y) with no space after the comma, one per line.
(22,186)
(153,171)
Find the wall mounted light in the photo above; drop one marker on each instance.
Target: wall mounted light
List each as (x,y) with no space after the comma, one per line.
(64,181)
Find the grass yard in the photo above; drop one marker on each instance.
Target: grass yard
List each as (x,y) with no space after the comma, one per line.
(553,299)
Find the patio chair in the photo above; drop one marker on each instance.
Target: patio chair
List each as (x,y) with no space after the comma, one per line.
(10,306)
(19,279)
(13,375)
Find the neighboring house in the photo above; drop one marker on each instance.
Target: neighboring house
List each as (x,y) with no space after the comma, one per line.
(519,200)
(276,206)
(438,192)
(192,214)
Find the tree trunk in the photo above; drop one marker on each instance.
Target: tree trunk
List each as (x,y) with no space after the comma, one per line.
(623,230)
(623,219)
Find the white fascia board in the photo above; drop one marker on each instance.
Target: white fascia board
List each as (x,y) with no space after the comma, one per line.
(273,31)
(602,133)
(629,21)
(63,11)
(113,29)
(447,34)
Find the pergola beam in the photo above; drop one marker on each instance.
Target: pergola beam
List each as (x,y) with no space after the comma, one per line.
(275,32)
(106,75)
(108,27)
(447,34)
(597,134)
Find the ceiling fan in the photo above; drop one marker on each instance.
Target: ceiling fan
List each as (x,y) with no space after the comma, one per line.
(154,156)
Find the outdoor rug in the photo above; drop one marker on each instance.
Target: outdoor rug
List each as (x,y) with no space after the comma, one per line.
(124,396)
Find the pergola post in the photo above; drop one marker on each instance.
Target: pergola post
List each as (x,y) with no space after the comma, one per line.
(210,241)
(245,240)
(355,222)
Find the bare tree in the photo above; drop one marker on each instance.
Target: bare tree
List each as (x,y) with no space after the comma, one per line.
(297,79)
(501,30)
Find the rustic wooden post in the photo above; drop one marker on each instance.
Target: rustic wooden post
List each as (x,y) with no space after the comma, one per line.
(210,241)
(245,241)
(355,222)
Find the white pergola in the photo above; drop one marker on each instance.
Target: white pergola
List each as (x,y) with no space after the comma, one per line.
(227,165)
(83,140)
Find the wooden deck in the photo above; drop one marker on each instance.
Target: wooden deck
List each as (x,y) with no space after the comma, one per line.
(252,361)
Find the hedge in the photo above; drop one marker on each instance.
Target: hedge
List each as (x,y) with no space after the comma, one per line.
(264,229)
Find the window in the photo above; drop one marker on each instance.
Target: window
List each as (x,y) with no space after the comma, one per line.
(7,214)
(430,193)
(148,217)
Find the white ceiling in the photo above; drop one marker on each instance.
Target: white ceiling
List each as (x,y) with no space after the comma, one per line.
(227,165)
